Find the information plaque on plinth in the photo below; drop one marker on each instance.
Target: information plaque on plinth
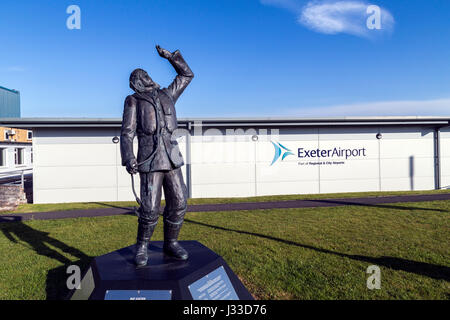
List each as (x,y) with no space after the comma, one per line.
(204,276)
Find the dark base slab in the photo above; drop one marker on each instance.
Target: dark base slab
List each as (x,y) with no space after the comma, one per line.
(115,276)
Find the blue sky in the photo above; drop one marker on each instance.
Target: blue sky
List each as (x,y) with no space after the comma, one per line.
(251,57)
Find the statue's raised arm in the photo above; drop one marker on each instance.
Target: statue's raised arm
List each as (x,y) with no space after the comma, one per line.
(185,74)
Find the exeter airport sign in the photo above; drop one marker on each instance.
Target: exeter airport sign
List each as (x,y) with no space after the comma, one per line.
(318,156)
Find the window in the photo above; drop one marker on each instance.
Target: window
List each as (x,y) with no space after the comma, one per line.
(18,156)
(9,134)
(2,157)
(30,135)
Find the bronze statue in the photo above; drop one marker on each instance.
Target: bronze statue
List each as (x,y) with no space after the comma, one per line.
(150,114)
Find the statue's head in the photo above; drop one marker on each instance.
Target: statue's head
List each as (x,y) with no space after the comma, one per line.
(140,81)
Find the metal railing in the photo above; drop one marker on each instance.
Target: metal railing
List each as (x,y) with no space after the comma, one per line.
(14,176)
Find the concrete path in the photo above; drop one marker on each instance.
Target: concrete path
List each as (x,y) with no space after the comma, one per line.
(102,212)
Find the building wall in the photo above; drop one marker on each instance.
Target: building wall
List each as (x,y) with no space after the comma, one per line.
(222,165)
(9,103)
(401,160)
(407,159)
(80,165)
(77,165)
(445,158)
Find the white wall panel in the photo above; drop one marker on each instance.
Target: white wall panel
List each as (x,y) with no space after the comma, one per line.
(351,169)
(407,159)
(74,165)
(349,185)
(405,168)
(404,148)
(445,142)
(67,195)
(288,187)
(445,157)
(222,165)
(287,171)
(223,190)
(229,173)
(355,172)
(222,152)
(63,155)
(445,173)
(76,177)
(406,184)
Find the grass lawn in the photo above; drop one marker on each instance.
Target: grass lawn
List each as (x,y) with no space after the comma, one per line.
(313,253)
(30,208)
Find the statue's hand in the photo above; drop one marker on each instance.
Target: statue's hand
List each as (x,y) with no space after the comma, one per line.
(163,52)
(132,166)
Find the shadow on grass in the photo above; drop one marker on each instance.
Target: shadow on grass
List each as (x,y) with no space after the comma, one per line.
(424,269)
(55,286)
(42,244)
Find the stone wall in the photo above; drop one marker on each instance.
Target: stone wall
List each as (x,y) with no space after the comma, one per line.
(11,196)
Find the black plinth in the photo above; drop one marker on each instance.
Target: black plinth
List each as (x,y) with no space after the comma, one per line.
(205,275)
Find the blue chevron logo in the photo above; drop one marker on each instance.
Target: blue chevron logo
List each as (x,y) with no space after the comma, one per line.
(280,149)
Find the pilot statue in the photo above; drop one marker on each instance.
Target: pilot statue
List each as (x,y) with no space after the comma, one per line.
(150,115)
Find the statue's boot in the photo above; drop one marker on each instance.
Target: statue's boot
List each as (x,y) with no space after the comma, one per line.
(145,232)
(171,246)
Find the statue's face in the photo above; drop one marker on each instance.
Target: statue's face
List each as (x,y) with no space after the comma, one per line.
(147,81)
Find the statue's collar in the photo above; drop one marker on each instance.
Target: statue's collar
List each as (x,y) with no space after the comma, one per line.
(149,96)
